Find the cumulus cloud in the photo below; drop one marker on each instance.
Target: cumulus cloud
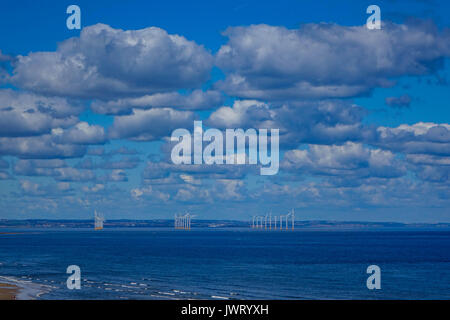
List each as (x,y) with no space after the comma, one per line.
(81,133)
(83,172)
(30,188)
(96,151)
(38,167)
(431,168)
(191,188)
(148,191)
(350,159)
(243,114)
(104,62)
(326,60)
(123,151)
(419,138)
(399,102)
(95,188)
(196,100)
(61,142)
(116,176)
(54,168)
(101,152)
(162,171)
(73,174)
(299,122)
(426,159)
(123,163)
(24,114)
(231,189)
(41,147)
(152,124)
(433,173)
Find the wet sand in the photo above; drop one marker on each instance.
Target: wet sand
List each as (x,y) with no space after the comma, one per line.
(8,291)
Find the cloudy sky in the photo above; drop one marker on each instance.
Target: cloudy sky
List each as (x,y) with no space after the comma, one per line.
(364,115)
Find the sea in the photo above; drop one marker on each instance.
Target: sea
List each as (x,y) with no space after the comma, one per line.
(232,263)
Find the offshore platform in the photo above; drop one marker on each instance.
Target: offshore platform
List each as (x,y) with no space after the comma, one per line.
(98,221)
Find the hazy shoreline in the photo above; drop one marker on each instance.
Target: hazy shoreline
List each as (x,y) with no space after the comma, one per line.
(216,224)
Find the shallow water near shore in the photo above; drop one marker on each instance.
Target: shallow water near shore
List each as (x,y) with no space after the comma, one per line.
(226,263)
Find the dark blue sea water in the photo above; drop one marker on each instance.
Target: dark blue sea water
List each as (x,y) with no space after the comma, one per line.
(232,264)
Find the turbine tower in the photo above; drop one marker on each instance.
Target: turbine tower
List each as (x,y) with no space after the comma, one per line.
(98,221)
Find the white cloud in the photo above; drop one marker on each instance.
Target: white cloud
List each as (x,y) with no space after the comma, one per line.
(325,60)
(105,62)
(81,133)
(243,114)
(196,100)
(418,138)
(152,124)
(38,167)
(349,159)
(24,114)
(41,147)
(402,101)
(327,121)
(72,174)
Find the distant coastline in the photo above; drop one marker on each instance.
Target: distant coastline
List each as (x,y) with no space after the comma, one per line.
(168,223)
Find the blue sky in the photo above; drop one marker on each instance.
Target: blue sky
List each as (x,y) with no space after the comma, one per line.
(363,114)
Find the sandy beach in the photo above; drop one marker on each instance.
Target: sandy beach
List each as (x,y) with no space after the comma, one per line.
(8,291)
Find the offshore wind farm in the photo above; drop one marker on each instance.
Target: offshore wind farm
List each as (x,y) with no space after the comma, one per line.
(184,221)
(265,222)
